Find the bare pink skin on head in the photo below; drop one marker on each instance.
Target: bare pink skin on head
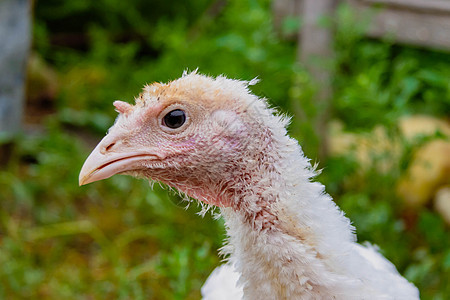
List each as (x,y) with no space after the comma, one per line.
(201,158)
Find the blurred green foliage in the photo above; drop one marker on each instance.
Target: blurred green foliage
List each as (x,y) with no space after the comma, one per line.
(379,82)
(117,239)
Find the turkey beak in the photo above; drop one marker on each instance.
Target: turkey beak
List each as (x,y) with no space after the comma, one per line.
(111,157)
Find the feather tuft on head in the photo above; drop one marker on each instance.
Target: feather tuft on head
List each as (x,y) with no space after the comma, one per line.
(186,72)
(122,107)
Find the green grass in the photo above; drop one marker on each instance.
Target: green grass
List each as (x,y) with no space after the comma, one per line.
(118,239)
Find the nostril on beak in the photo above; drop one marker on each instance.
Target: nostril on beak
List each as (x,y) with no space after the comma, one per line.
(109,147)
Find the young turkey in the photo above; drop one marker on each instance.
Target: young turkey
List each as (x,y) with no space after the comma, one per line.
(215,141)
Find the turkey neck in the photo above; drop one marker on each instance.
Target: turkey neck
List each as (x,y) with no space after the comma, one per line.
(283,226)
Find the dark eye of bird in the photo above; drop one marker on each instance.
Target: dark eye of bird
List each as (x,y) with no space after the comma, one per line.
(174,119)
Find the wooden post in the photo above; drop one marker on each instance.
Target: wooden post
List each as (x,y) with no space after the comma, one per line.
(15,37)
(423,23)
(315,52)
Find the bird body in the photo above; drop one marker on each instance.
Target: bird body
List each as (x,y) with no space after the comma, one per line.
(215,141)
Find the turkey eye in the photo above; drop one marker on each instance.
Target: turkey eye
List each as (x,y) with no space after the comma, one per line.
(174,119)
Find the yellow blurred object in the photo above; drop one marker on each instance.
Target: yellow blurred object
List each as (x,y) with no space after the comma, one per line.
(429,170)
(372,149)
(442,203)
(420,125)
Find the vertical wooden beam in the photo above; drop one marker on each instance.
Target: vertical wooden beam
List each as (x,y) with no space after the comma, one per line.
(315,52)
(15,37)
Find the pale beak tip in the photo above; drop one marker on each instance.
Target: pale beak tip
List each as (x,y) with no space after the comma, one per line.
(82,180)
(85,177)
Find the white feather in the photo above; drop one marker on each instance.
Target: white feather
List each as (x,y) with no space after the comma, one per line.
(222,284)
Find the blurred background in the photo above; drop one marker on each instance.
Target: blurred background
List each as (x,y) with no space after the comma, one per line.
(366,83)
